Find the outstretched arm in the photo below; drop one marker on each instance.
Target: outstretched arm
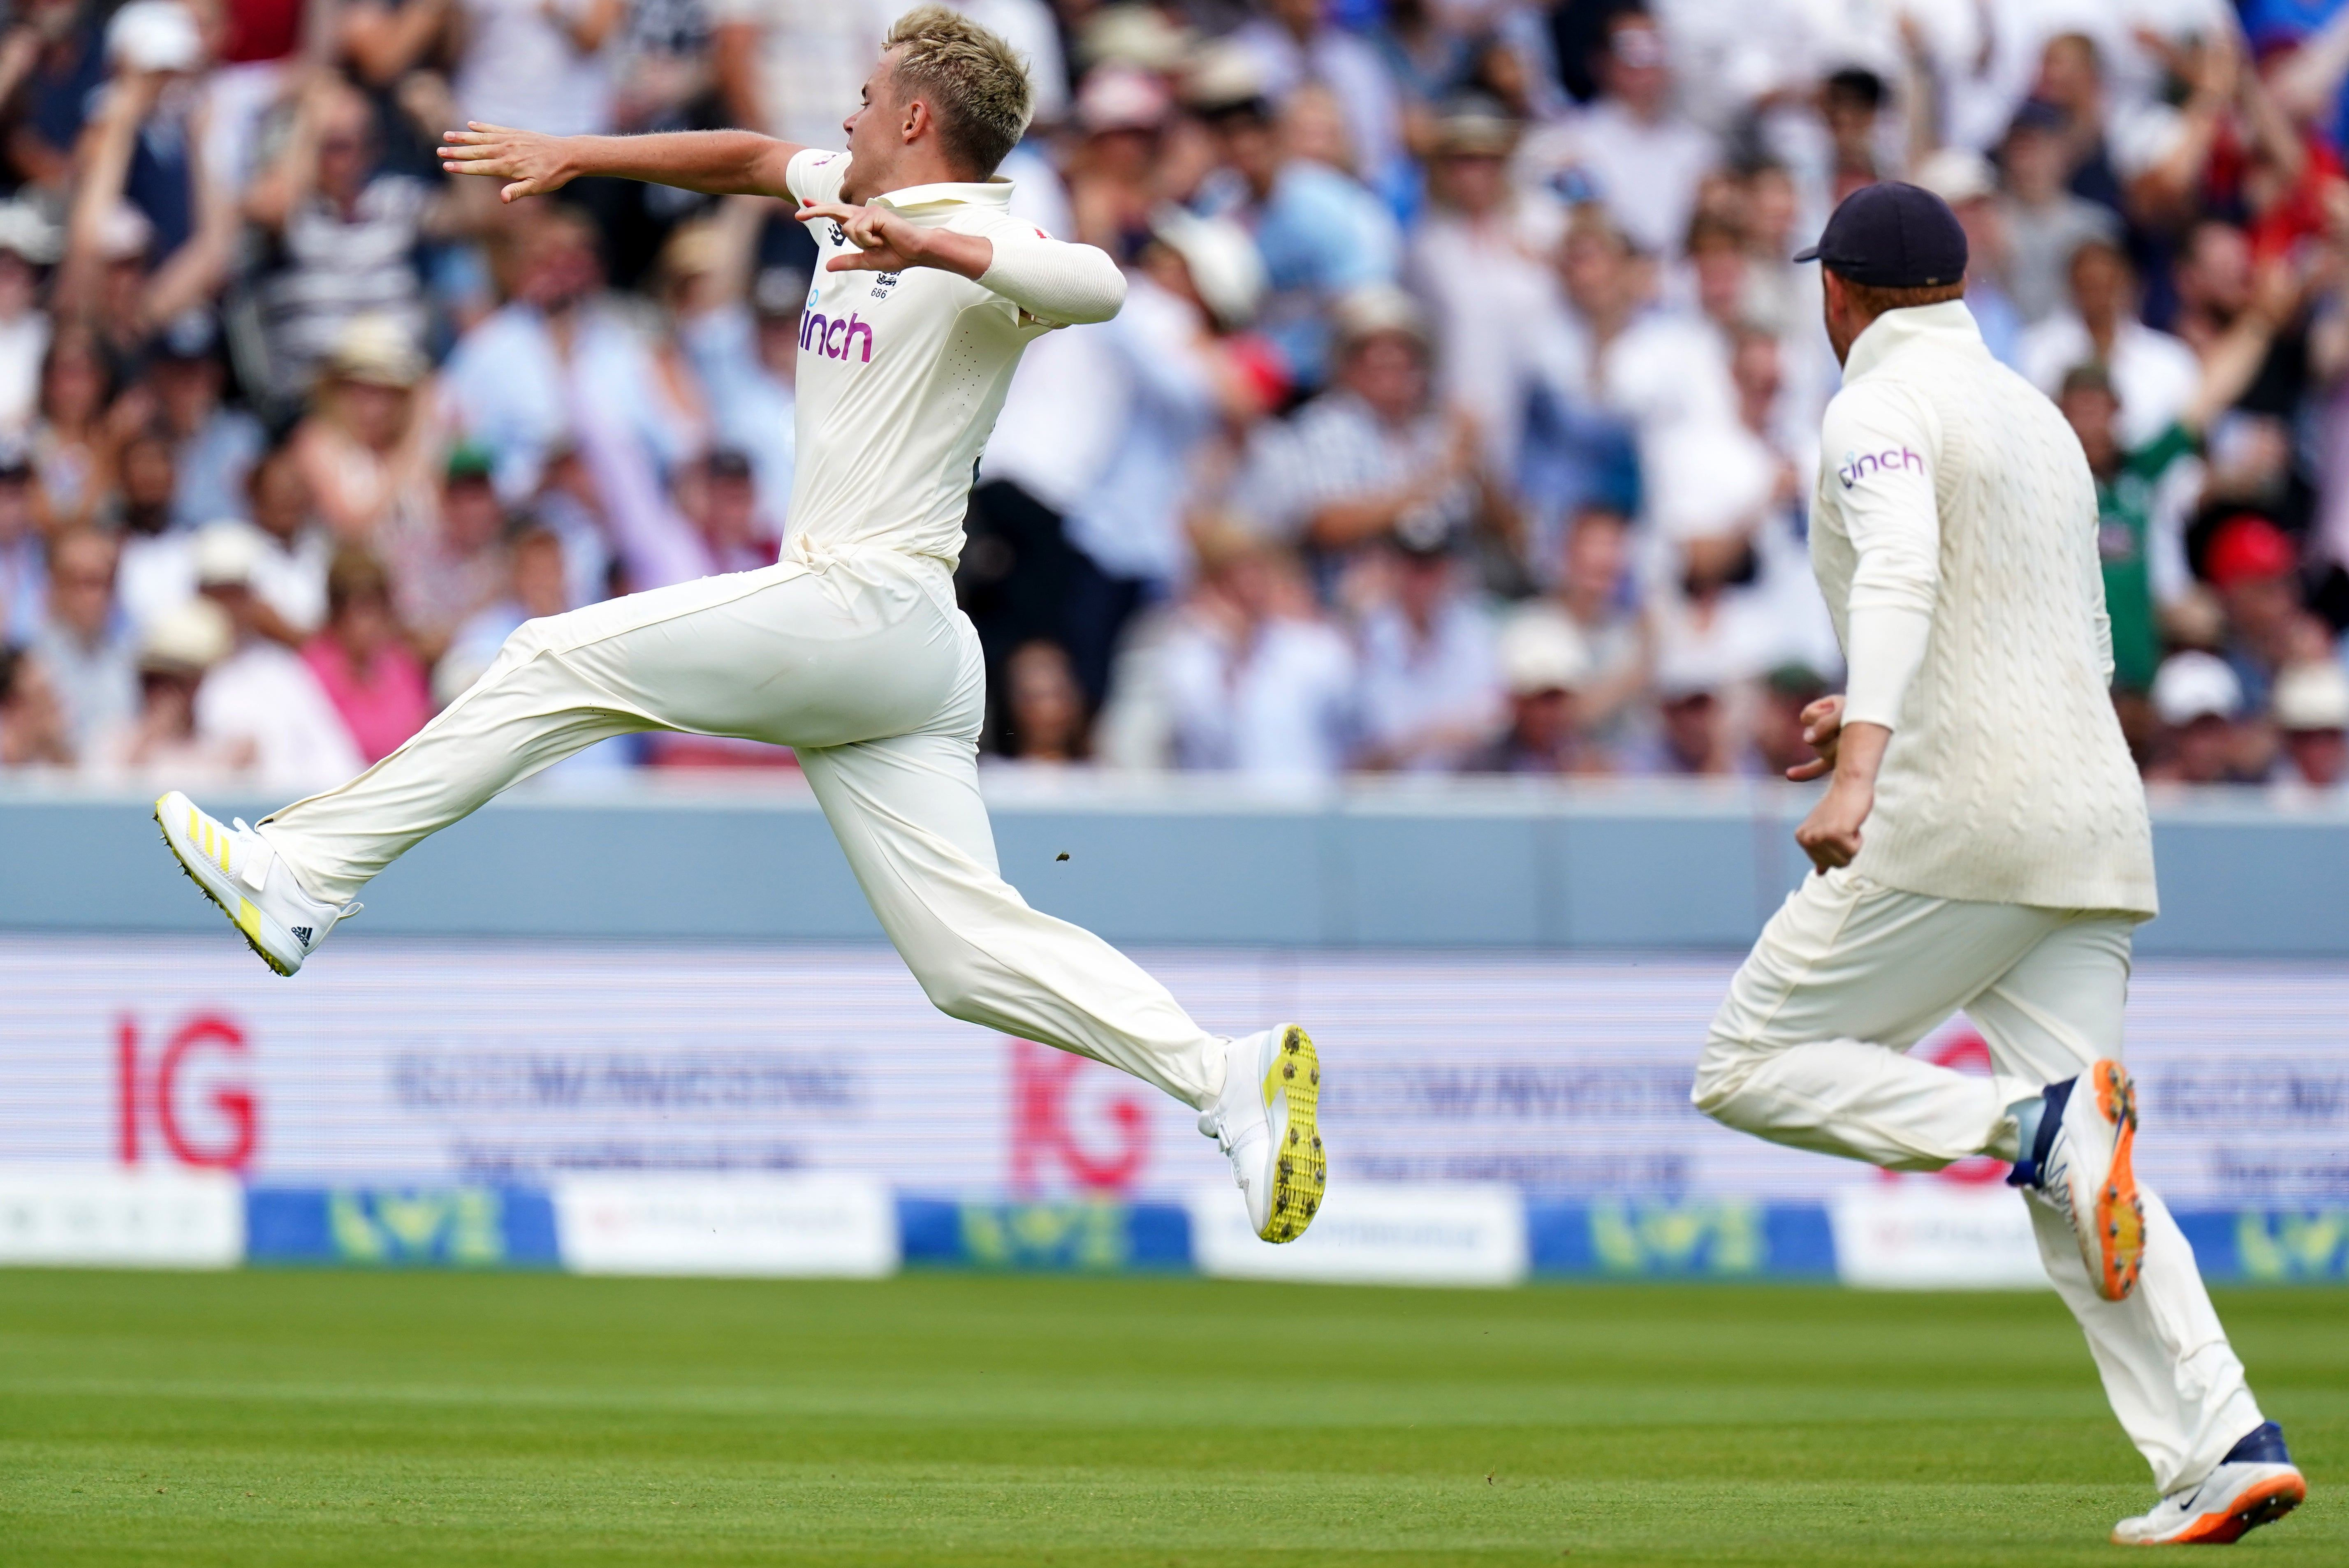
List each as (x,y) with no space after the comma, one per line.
(1051,280)
(719,162)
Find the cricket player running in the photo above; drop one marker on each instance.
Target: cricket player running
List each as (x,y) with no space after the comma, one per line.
(850,648)
(1983,844)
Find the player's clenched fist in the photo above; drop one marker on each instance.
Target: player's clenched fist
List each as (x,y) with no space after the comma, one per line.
(533,162)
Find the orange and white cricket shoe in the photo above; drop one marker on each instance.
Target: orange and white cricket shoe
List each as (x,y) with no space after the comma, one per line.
(2255,1484)
(2082,1164)
(239,872)
(1268,1122)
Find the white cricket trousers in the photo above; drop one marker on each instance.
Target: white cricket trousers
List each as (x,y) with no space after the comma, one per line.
(1809,1050)
(864,664)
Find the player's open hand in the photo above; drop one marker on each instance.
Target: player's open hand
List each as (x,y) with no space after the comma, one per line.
(1823,733)
(532,162)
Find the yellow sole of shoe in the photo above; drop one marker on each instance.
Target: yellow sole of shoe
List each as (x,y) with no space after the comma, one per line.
(1303,1171)
(244,917)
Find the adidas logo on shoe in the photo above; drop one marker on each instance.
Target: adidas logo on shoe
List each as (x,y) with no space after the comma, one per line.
(301,935)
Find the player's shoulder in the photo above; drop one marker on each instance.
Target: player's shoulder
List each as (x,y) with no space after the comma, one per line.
(816,174)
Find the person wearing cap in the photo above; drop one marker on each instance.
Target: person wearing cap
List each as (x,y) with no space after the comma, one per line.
(367,443)
(2254,568)
(2200,705)
(1984,844)
(261,690)
(1295,44)
(2311,710)
(1544,665)
(162,739)
(1475,258)
(850,649)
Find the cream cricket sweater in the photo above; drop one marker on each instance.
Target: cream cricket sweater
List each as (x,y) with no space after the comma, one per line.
(1955,540)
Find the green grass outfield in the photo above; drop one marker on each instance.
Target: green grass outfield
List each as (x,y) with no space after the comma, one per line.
(436,1419)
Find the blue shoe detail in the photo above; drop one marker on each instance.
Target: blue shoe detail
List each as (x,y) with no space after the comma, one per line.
(2055,1096)
(2263,1447)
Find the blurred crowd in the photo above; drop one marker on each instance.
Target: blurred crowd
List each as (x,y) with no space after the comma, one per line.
(1462,417)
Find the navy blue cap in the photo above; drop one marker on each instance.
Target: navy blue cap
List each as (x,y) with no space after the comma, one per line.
(1893,236)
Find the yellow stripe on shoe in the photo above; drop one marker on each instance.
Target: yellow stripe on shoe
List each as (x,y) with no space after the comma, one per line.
(1301,1166)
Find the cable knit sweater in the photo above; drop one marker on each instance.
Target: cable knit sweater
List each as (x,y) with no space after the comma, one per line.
(1955,540)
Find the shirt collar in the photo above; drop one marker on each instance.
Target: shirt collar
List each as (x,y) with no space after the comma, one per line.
(1950,324)
(994,192)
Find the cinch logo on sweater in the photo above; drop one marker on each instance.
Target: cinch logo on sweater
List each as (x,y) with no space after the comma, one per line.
(834,339)
(1857,468)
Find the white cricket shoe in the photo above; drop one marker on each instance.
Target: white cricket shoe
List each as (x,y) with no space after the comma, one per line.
(1265,1121)
(2082,1164)
(239,872)
(2255,1484)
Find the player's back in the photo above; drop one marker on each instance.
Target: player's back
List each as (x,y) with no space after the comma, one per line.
(2007,779)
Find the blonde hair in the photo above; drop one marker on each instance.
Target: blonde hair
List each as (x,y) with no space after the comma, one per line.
(972,81)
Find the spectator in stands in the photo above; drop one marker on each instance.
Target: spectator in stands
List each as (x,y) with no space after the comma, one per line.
(343,232)
(448,562)
(2198,700)
(215,445)
(2045,224)
(1965,180)
(2312,715)
(2153,374)
(1295,43)
(23,566)
(792,68)
(1592,597)
(89,663)
(74,448)
(1321,234)
(367,446)
(740,334)
(1373,455)
(28,243)
(1632,149)
(1181,374)
(164,741)
(32,729)
(263,691)
(289,574)
(1044,708)
(1431,677)
(1785,693)
(1257,681)
(367,669)
(545,66)
(1542,663)
(2256,572)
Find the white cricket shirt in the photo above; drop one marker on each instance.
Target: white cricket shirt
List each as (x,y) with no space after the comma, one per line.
(901,375)
(1954,537)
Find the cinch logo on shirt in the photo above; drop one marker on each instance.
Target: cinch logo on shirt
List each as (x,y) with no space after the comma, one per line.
(834,339)
(1857,468)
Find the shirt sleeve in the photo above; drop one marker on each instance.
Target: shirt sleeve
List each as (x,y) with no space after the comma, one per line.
(816,175)
(1052,280)
(1882,448)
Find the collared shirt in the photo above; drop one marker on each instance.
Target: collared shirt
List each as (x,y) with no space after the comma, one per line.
(900,375)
